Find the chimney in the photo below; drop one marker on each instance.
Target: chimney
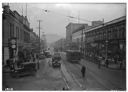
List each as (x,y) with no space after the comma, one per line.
(6,7)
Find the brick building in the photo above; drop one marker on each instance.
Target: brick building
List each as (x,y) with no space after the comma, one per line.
(70,29)
(14,25)
(107,40)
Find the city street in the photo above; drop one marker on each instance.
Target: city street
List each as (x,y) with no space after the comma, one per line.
(46,78)
(69,77)
(96,79)
(64,46)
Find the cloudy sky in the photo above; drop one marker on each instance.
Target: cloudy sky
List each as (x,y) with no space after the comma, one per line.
(55,20)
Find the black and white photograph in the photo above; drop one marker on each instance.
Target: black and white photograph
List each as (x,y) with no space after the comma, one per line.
(63,46)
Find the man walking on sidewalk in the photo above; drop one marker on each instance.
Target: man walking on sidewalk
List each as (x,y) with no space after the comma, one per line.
(107,63)
(37,57)
(83,70)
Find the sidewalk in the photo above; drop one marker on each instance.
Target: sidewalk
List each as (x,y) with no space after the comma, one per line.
(110,66)
(116,66)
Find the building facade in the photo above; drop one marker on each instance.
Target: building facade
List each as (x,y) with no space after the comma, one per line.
(107,40)
(78,37)
(34,40)
(71,28)
(97,23)
(14,26)
(60,45)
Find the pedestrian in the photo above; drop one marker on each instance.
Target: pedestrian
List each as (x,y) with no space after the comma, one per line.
(107,63)
(83,70)
(99,64)
(37,58)
(121,63)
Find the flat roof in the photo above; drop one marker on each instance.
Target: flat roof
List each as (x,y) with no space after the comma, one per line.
(107,23)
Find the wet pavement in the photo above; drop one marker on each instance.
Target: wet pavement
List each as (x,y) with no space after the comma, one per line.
(69,77)
(46,78)
(97,79)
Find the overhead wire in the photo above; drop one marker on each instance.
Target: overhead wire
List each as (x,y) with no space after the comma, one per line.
(66,15)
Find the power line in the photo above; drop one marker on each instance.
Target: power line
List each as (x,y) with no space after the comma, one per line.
(67,16)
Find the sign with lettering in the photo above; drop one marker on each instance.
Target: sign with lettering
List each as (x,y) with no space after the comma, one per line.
(13,43)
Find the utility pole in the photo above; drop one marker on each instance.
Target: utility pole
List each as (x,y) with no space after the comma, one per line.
(26,9)
(39,43)
(78,16)
(106,45)
(22,10)
(39,33)
(43,37)
(82,41)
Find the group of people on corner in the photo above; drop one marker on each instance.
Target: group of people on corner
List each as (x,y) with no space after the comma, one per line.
(107,63)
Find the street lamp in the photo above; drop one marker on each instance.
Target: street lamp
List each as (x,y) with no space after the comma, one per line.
(106,43)
(106,49)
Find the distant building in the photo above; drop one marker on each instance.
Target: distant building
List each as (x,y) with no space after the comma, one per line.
(43,42)
(34,40)
(70,29)
(60,45)
(107,40)
(97,23)
(78,37)
(14,25)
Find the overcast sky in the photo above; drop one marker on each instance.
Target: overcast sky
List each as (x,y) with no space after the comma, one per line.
(55,21)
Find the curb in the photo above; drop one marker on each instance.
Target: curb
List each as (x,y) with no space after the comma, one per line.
(65,80)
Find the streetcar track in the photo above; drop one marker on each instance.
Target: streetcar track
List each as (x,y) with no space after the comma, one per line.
(99,80)
(74,78)
(91,73)
(66,82)
(104,79)
(78,67)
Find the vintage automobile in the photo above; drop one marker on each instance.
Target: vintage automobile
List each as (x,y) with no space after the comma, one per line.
(56,60)
(73,56)
(41,56)
(27,68)
(47,54)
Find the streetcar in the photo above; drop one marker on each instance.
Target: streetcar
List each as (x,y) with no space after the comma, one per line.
(73,56)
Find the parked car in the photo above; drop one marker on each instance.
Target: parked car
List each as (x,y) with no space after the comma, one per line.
(73,56)
(47,54)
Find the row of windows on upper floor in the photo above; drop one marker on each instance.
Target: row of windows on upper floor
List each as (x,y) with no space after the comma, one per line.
(116,30)
(113,32)
(114,35)
(20,34)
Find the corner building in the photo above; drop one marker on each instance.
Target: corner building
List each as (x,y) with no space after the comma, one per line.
(14,25)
